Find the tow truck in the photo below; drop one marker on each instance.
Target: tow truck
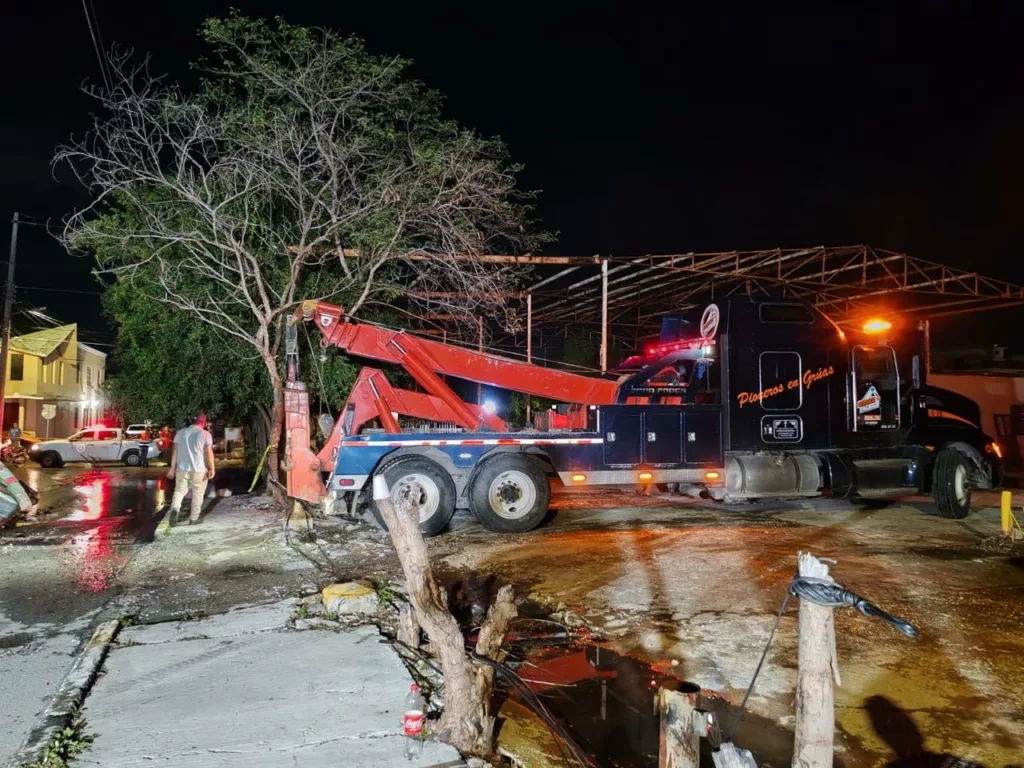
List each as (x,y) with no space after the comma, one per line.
(765,398)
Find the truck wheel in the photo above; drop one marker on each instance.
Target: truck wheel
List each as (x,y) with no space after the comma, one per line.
(952,483)
(132,458)
(50,460)
(510,494)
(436,492)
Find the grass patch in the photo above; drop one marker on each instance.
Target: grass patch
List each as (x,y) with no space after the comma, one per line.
(302,612)
(67,744)
(330,615)
(196,637)
(385,592)
(130,620)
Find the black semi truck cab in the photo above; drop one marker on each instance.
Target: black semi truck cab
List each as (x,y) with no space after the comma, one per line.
(794,406)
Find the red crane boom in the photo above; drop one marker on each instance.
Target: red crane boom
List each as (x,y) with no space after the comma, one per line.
(373,396)
(413,352)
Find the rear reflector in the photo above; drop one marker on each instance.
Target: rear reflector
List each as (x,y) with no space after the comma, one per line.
(711,476)
(346,482)
(646,477)
(579,478)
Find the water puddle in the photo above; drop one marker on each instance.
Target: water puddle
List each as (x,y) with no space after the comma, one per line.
(603,699)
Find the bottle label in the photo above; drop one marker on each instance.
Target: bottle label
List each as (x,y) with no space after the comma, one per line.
(413,723)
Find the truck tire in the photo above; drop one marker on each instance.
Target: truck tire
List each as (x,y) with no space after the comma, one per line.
(437,492)
(51,459)
(951,484)
(509,494)
(132,458)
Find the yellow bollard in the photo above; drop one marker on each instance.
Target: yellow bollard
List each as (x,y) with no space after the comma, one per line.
(1006,517)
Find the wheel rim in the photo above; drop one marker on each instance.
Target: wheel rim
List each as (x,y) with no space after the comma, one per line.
(512,494)
(421,488)
(960,485)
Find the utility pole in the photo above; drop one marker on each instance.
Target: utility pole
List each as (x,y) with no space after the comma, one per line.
(6,330)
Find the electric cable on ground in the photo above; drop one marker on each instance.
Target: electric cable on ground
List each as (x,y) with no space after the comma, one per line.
(825,593)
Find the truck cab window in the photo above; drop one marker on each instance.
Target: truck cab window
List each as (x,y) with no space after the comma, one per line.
(671,376)
(876,382)
(785,313)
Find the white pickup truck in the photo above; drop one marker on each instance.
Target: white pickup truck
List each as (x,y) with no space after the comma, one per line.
(92,444)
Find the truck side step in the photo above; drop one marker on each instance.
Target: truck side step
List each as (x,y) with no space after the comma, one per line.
(879,478)
(882,493)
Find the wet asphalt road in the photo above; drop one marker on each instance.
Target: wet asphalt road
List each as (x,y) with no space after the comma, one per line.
(60,571)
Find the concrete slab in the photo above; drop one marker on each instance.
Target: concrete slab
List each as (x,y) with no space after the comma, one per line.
(239,621)
(280,698)
(29,674)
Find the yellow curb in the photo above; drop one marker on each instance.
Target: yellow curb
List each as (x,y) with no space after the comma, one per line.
(349,591)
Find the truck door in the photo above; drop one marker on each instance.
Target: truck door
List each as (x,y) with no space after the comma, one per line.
(663,436)
(107,446)
(875,389)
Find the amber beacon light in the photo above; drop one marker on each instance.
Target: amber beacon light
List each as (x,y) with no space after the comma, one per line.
(877,325)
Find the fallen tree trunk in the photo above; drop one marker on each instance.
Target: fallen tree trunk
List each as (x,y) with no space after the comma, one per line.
(466,722)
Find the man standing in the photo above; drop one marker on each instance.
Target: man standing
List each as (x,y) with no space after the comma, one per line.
(145,439)
(15,434)
(192,468)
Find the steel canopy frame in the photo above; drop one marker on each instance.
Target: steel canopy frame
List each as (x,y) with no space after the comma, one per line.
(625,297)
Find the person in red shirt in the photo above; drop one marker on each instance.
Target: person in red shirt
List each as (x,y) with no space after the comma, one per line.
(165,438)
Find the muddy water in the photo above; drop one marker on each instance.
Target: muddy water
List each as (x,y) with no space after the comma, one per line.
(606,701)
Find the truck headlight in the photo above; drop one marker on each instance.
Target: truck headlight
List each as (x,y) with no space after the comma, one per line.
(34,447)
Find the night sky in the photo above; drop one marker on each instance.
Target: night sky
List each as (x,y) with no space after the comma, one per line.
(693,129)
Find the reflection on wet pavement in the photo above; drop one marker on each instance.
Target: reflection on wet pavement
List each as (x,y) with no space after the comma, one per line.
(97,515)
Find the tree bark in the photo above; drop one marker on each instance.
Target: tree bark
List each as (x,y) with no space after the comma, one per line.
(273,463)
(466,722)
(408,629)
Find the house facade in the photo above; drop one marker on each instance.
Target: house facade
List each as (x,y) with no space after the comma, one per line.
(52,368)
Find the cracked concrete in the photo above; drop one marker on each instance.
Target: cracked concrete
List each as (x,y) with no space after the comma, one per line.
(240,689)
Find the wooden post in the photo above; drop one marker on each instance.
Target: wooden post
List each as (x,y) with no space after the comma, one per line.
(927,348)
(815,716)
(604,315)
(678,740)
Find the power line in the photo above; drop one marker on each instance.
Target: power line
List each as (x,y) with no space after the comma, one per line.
(96,44)
(57,290)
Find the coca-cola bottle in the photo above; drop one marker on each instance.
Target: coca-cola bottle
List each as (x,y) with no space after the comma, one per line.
(412,723)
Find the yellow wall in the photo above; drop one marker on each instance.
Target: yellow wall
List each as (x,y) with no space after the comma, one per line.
(67,396)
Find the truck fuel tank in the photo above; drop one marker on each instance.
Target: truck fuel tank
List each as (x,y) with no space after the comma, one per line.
(760,475)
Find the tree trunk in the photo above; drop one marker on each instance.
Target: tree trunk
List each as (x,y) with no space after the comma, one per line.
(273,463)
(466,722)
(408,629)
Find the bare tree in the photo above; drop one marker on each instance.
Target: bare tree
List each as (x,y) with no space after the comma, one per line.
(302,168)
